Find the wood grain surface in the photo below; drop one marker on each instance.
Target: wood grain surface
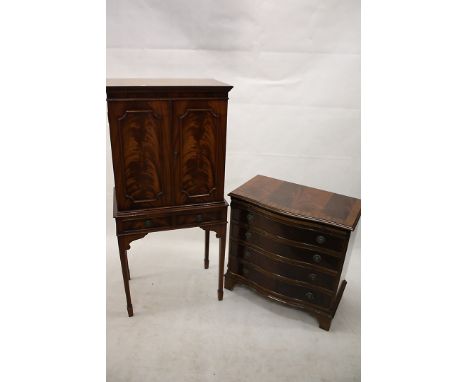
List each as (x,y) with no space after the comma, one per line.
(301,201)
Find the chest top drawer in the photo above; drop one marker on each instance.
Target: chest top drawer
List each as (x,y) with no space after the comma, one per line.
(288,229)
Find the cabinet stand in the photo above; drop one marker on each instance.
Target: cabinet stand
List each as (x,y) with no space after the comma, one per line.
(125,238)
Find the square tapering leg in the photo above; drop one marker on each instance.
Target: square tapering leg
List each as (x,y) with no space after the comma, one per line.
(126,276)
(222,250)
(207,249)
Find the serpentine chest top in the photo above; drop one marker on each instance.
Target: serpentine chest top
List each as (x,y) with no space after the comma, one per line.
(290,242)
(168,140)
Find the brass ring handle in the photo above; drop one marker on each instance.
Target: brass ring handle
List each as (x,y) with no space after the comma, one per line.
(310,296)
(320,239)
(148,223)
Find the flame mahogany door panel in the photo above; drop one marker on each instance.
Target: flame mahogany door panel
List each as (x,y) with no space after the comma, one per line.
(141,153)
(199,129)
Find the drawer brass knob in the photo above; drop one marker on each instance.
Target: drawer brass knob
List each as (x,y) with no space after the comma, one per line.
(246,271)
(250,217)
(317,258)
(320,239)
(248,235)
(148,223)
(199,218)
(310,296)
(248,254)
(312,276)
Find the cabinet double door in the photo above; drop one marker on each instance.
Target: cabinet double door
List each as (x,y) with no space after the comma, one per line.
(168,152)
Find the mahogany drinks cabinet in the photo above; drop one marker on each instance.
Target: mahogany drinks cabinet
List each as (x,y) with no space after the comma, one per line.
(168,140)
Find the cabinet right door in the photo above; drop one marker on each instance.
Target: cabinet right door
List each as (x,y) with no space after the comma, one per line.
(199,150)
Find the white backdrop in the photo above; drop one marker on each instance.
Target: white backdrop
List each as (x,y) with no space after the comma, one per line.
(294,111)
(294,114)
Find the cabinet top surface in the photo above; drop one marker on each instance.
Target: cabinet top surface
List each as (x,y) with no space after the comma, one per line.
(164,82)
(301,201)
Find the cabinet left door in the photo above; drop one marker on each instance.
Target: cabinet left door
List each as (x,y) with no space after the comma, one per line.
(140,141)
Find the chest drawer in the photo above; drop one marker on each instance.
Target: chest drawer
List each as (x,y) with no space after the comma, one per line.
(291,231)
(240,253)
(308,295)
(161,222)
(145,224)
(201,217)
(270,244)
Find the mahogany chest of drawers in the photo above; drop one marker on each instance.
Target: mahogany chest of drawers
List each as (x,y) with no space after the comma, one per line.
(290,242)
(168,140)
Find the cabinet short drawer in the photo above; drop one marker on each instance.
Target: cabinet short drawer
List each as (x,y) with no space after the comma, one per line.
(146,224)
(292,231)
(308,295)
(202,217)
(269,244)
(240,253)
